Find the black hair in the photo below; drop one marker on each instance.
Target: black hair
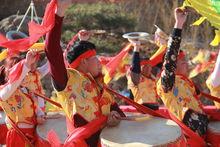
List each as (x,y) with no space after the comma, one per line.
(78,49)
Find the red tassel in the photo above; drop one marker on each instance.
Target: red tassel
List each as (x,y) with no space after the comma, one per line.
(53,139)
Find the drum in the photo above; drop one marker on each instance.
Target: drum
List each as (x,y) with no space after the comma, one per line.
(141,131)
(213,134)
(58,125)
(3,128)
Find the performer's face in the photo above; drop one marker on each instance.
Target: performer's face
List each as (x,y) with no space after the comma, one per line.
(182,67)
(146,70)
(94,66)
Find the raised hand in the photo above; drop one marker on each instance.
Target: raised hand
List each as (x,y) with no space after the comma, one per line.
(31,58)
(40,119)
(180,17)
(84,35)
(136,44)
(62,5)
(113,119)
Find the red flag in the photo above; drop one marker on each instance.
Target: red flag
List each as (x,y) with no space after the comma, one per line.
(79,135)
(104,59)
(3,38)
(15,71)
(35,31)
(53,139)
(15,46)
(72,41)
(156,57)
(115,63)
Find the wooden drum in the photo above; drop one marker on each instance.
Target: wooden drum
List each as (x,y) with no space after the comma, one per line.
(213,134)
(3,128)
(58,125)
(141,130)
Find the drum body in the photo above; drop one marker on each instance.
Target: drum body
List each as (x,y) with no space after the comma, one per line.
(3,128)
(58,125)
(143,130)
(213,134)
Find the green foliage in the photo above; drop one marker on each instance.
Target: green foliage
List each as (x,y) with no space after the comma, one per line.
(99,16)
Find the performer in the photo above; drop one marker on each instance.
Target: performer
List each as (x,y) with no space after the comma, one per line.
(176,91)
(80,87)
(32,81)
(213,82)
(141,82)
(21,111)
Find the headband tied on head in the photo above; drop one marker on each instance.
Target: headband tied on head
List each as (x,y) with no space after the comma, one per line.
(85,55)
(80,51)
(181,55)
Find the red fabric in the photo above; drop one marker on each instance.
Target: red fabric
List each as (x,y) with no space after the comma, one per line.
(14,46)
(211,97)
(47,99)
(15,140)
(35,31)
(72,41)
(54,55)
(213,138)
(3,133)
(159,58)
(181,55)
(3,38)
(104,60)
(78,136)
(85,55)
(69,125)
(212,112)
(15,71)
(53,139)
(192,136)
(154,61)
(127,108)
(181,142)
(42,143)
(139,107)
(113,64)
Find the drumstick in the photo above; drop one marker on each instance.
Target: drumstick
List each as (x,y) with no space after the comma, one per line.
(53,116)
(132,118)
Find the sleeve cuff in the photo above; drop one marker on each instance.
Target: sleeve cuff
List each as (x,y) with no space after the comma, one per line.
(177,32)
(136,63)
(26,69)
(58,18)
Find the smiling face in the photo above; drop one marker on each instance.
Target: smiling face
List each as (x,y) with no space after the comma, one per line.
(146,70)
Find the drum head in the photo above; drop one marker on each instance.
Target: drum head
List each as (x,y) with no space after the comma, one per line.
(136,35)
(144,131)
(58,125)
(2,117)
(214,127)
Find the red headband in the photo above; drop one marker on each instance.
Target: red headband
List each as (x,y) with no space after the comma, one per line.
(181,55)
(85,55)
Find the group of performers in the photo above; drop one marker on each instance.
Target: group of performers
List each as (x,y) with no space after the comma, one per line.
(78,82)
